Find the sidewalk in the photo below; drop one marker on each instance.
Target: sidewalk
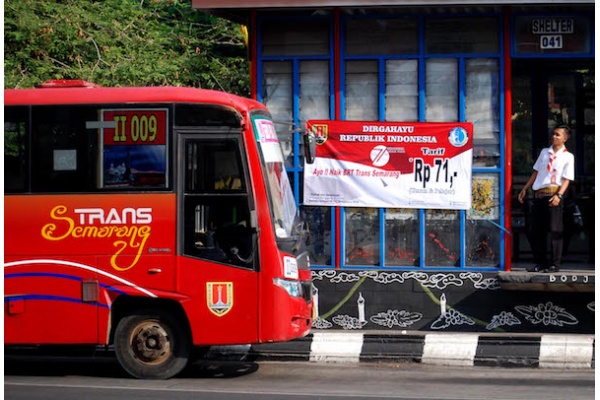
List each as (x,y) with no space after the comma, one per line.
(556,351)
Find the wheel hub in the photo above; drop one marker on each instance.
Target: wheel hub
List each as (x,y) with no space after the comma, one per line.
(151,343)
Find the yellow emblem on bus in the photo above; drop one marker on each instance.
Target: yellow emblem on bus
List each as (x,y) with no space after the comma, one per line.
(219,297)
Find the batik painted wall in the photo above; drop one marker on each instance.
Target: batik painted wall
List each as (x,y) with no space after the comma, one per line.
(453,302)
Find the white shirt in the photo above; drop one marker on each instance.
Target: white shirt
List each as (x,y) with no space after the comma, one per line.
(563,167)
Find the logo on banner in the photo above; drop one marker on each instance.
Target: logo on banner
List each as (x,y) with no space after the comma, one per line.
(321,132)
(219,297)
(380,156)
(458,136)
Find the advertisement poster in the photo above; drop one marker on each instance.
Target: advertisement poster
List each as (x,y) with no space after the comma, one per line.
(390,164)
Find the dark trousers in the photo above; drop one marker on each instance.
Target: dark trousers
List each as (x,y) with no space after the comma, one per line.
(546,220)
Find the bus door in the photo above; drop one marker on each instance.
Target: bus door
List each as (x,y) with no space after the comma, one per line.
(218,237)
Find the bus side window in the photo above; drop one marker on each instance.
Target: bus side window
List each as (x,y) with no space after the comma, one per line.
(64,152)
(227,170)
(16,135)
(216,204)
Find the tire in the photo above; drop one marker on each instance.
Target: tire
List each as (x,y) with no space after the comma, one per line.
(151,346)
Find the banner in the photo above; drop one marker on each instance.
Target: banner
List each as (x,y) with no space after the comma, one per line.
(390,164)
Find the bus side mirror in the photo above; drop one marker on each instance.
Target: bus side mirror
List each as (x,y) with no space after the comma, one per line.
(310,147)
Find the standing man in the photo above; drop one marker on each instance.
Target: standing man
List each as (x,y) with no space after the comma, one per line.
(552,173)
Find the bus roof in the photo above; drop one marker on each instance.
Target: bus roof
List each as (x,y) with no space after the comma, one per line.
(81,92)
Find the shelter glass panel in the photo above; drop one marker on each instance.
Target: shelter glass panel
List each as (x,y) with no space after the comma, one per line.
(362,242)
(361,90)
(441,85)
(314,94)
(589,121)
(482,232)
(482,108)
(277,95)
(442,245)
(295,38)
(462,35)
(522,126)
(320,238)
(401,90)
(382,36)
(401,237)
(314,90)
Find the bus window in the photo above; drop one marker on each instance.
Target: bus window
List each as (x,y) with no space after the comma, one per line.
(216,205)
(15,149)
(134,148)
(64,153)
(206,115)
(78,149)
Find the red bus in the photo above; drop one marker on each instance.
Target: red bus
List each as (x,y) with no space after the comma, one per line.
(156,220)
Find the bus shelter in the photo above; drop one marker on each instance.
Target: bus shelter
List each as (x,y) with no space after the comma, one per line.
(513,71)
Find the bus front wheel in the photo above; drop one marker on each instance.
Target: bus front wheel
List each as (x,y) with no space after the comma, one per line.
(151,346)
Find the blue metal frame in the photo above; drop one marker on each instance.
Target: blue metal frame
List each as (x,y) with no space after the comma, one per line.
(421,57)
(296,169)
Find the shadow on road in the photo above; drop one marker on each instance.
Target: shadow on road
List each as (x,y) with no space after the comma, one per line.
(63,366)
(108,367)
(219,369)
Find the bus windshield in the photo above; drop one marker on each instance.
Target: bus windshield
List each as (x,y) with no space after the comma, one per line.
(280,192)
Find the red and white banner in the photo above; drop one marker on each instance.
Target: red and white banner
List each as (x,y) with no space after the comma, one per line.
(390,164)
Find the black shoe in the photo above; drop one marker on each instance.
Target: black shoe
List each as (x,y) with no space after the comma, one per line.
(553,268)
(537,268)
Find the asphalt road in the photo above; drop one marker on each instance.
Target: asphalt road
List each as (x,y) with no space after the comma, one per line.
(103,379)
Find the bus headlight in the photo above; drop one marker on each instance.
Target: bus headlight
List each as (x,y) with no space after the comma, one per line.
(293,288)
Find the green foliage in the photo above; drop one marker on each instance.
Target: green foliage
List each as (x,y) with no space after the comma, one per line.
(122,43)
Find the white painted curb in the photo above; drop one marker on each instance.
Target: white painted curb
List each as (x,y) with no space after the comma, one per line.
(449,349)
(566,351)
(336,347)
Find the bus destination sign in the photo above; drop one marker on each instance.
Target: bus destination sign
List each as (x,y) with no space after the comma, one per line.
(135,127)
